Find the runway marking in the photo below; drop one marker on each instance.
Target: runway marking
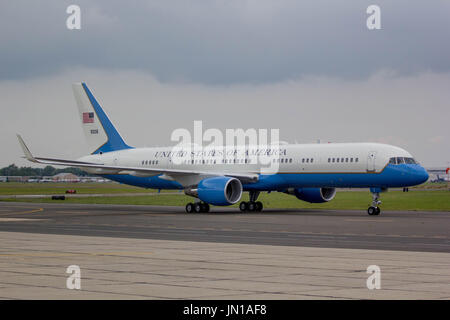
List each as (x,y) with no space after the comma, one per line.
(22,212)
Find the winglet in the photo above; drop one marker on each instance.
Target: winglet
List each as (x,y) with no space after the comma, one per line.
(25,149)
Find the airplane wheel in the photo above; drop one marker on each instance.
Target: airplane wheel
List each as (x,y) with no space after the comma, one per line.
(197,207)
(372,211)
(243,206)
(205,207)
(259,206)
(251,206)
(377,212)
(189,208)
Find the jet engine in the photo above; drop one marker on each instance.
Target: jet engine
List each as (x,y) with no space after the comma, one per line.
(220,191)
(313,195)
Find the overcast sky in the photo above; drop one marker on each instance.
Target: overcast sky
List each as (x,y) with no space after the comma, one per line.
(310,68)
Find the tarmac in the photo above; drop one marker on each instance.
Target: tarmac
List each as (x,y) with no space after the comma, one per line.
(148,252)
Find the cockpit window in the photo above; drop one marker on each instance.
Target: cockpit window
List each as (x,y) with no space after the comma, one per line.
(401,160)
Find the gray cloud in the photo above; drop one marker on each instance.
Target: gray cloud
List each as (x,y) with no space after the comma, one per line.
(225,42)
(311,69)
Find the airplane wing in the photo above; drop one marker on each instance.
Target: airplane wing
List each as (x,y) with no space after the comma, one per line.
(135,171)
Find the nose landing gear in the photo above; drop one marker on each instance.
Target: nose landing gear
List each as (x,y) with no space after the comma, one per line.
(374,210)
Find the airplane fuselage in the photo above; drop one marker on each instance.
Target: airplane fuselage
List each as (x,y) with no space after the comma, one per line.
(346,165)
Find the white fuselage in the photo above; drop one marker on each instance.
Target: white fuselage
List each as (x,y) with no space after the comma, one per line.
(332,158)
(294,158)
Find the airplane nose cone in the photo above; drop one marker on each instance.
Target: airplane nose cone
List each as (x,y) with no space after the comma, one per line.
(422,175)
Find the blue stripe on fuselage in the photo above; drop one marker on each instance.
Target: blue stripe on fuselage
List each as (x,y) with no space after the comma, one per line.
(402,175)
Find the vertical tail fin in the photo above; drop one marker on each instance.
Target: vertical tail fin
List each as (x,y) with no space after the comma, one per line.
(100,133)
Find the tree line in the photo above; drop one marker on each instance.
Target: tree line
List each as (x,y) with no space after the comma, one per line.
(13,170)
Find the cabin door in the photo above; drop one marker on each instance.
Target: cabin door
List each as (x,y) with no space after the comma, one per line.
(371,161)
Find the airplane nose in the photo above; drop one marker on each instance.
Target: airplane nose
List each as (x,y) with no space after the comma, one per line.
(422,175)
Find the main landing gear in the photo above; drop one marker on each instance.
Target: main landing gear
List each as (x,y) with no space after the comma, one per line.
(252,205)
(374,209)
(197,207)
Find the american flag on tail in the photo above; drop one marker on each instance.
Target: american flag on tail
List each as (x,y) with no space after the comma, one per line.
(88,117)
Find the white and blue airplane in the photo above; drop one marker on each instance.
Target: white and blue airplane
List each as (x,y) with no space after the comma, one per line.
(310,172)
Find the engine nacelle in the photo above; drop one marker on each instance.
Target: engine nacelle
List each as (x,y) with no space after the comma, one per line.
(220,191)
(314,195)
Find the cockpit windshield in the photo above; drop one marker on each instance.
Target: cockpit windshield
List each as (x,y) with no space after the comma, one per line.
(402,160)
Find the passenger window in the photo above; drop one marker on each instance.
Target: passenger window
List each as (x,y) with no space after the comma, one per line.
(333,160)
(312,159)
(303,160)
(290,160)
(346,159)
(356,159)
(337,159)
(351,159)
(307,160)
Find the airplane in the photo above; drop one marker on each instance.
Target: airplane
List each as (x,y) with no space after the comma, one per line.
(310,172)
